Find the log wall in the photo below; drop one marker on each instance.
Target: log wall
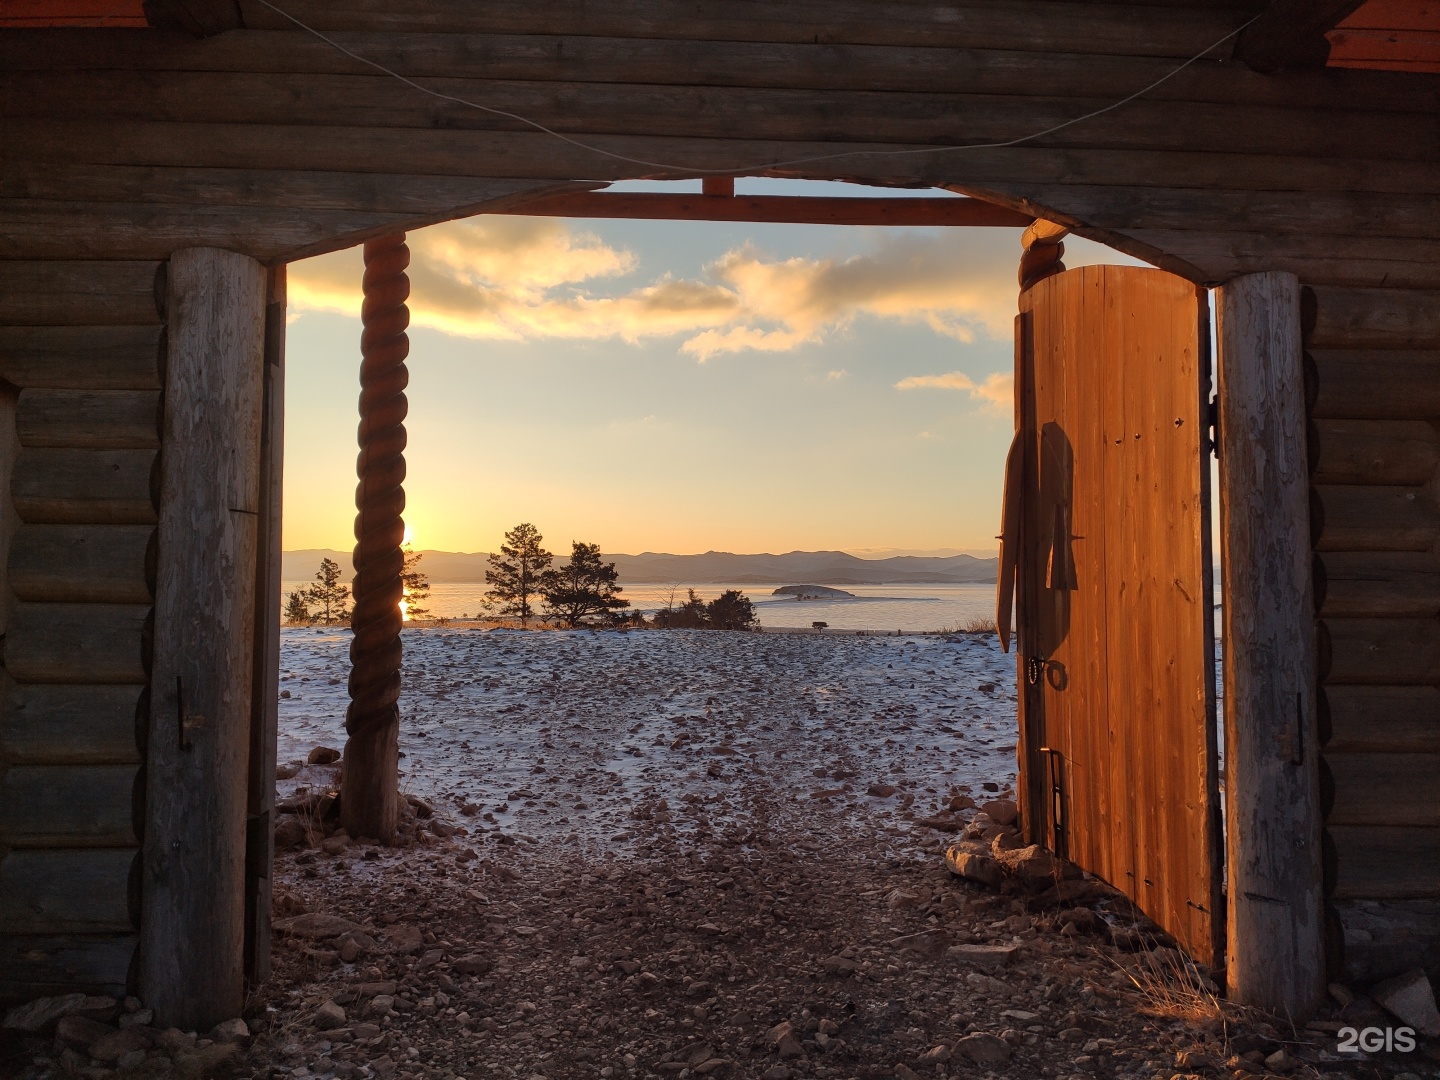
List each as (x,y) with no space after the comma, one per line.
(1373,366)
(81,359)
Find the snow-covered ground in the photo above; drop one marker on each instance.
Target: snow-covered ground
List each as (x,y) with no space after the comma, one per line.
(621,740)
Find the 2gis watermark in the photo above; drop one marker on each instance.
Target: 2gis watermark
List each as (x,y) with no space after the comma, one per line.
(1375,1040)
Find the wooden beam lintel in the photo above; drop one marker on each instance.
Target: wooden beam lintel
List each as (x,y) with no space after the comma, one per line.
(792,209)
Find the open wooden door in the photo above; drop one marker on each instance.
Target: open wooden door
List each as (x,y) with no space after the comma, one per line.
(1113,590)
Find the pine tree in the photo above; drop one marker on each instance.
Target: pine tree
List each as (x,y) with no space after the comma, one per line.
(332,598)
(731,610)
(297,611)
(416,584)
(585,586)
(515,578)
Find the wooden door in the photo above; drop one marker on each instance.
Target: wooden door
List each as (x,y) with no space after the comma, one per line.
(1113,591)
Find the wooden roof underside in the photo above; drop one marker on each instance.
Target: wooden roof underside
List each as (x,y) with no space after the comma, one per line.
(130,143)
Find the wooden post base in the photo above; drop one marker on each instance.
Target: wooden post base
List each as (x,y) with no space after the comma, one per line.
(370,783)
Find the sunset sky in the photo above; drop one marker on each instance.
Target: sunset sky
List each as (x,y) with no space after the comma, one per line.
(675,386)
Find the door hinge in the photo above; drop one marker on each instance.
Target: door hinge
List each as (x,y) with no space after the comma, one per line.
(1212,427)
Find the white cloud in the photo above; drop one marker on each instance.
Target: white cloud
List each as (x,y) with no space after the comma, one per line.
(518,278)
(996,393)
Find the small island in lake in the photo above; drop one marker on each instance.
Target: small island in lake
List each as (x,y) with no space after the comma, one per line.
(813,592)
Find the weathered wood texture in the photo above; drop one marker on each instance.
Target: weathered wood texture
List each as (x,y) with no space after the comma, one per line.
(1385,861)
(1272,792)
(1386,719)
(71,724)
(194,865)
(49,806)
(58,485)
(82,357)
(1387,938)
(1403,584)
(9,519)
(1363,518)
(1114,588)
(88,294)
(106,564)
(78,643)
(1375,319)
(93,419)
(265,687)
(1375,384)
(1385,789)
(1400,452)
(78,891)
(1290,34)
(33,965)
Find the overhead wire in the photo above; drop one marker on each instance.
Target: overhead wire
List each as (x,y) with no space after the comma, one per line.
(760,166)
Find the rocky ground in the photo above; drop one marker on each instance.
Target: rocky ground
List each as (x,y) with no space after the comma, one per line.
(749,864)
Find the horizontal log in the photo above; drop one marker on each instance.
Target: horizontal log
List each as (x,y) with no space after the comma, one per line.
(1106,29)
(71,725)
(70,293)
(1377,384)
(93,419)
(1375,319)
(1377,583)
(76,891)
(597,109)
(82,357)
(1383,719)
(1364,518)
(805,210)
(532,154)
(1393,452)
(34,966)
(673,61)
(62,486)
(1380,862)
(51,806)
(1385,789)
(1396,652)
(96,564)
(78,643)
(274,189)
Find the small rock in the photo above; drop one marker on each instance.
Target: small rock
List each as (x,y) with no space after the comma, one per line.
(1195,1060)
(329,1016)
(929,942)
(80,1031)
(1410,998)
(473,964)
(355,944)
(41,1015)
(777,1072)
(231,1031)
(335,845)
(405,939)
(288,771)
(904,1072)
(290,832)
(116,1044)
(1342,994)
(380,1005)
(422,808)
(133,1060)
(990,958)
(316,926)
(981,868)
(1072,1034)
(142,1017)
(1000,811)
(881,791)
(941,823)
(1280,1061)
(984,1049)
(839,965)
(442,829)
(323,755)
(936,1055)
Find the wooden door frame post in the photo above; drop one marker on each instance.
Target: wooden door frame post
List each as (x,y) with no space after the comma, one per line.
(1275,946)
(192,928)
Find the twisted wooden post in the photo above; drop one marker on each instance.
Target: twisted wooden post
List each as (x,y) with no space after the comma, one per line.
(369,786)
(1041,251)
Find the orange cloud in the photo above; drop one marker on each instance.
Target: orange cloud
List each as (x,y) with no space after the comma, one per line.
(996,393)
(536,278)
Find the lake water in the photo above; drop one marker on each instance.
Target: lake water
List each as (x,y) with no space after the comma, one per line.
(910,608)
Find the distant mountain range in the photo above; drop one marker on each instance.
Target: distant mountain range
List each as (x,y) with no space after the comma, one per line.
(713,567)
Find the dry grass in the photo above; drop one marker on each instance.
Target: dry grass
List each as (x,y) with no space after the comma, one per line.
(979,624)
(1171,986)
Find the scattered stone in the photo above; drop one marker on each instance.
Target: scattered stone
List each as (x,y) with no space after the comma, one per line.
(904,1072)
(928,942)
(881,791)
(1410,998)
(777,1072)
(972,867)
(839,965)
(422,808)
(941,823)
(988,958)
(80,1031)
(329,1016)
(354,944)
(1280,1061)
(406,939)
(141,1017)
(473,964)
(116,1044)
(1000,811)
(287,771)
(1342,994)
(230,1031)
(984,1049)
(335,845)
(936,1055)
(290,832)
(323,755)
(41,1015)
(316,926)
